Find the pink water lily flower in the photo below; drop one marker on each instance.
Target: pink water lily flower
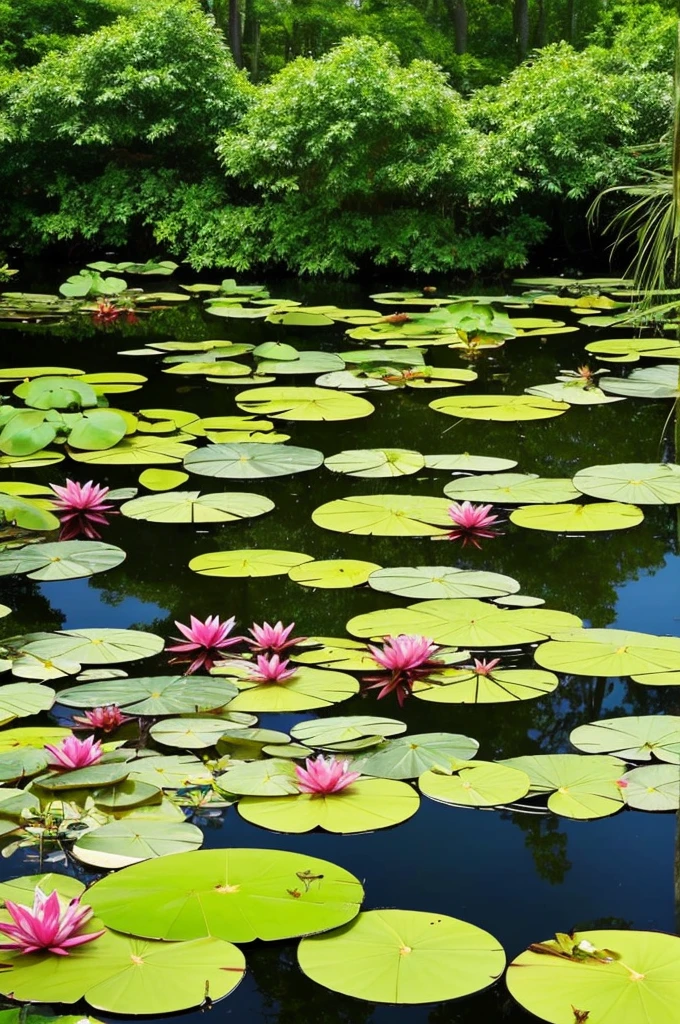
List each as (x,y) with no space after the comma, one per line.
(323,776)
(485,668)
(209,638)
(74,753)
(273,638)
(271,669)
(472,521)
(407,658)
(75,498)
(105,718)
(47,925)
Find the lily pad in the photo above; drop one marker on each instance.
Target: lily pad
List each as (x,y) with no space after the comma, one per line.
(162,479)
(512,489)
(500,686)
(96,646)
(306,362)
(578,786)
(629,350)
(303,404)
(637,483)
(642,987)
(592,518)
(121,843)
(247,562)
(92,777)
(234,894)
(308,689)
(654,787)
(466,463)
(414,958)
(192,507)
(19,700)
(410,756)
(273,777)
(126,795)
(156,695)
(573,392)
(250,461)
(170,772)
(64,560)
(441,581)
(609,652)
(474,784)
(661,381)
(336,733)
(376,462)
(188,733)
(334,574)
(502,408)
(144,450)
(633,738)
(338,653)
(364,806)
(385,515)
(21,890)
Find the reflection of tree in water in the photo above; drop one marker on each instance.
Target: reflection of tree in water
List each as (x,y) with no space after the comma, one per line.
(546,842)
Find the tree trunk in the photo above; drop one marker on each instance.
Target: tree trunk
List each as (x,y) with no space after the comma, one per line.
(460,26)
(235,32)
(521,19)
(541,25)
(251,39)
(572,21)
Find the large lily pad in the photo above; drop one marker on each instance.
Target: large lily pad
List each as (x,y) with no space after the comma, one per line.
(637,483)
(414,958)
(170,772)
(500,686)
(64,560)
(235,894)
(250,461)
(333,574)
(574,392)
(364,806)
(593,518)
(303,404)
(441,581)
(629,350)
(634,738)
(142,450)
(474,784)
(188,733)
(192,507)
(376,462)
(578,786)
(502,408)
(609,652)
(155,695)
(248,562)
(308,689)
(466,463)
(97,646)
(654,787)
(653,382)
(512,489)
(341,732)
(19,700)
(120,843)
(409,756)
(642,987)
(273,777)
(385,515)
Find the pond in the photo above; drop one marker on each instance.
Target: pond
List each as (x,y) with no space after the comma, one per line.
(520,872)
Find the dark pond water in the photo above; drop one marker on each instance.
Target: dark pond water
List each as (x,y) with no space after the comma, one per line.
(520,876)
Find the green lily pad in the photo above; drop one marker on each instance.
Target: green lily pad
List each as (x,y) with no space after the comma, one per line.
(33,461)
(21,890)
(238,894)
(441,581)
(592,518)
(144,450)
(634,738)
(629,350)
(189,733)
(192,507)
(162,479)
(248,562)
(578,786)
(512,489)
(642,987)
(376,462)
(385,515)
(364,806)
(32,736)
(97,646)
(307,362)
(273,777)
(573,392)
(410,756)
(30,372)
(475,784)
(337,733)
(303,404)
(334,574)
(126,795)
(637,483)
(308,689)
(502,408)
(88,778)
(250,461)
(25,513)
(336,652)
(465,686)
(226,424)
(654,787)
(170,772)
(121,843)
(19,700)
(661,381)
(464,622)
(64,560)
(414,958)
(466,463)
(155,695)
(609,652)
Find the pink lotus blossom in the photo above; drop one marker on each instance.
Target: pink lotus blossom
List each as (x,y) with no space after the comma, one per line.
(209,637)
(273,638)
(472,521)
(407,658)
(270,669)
(75,753)
(48,925)
(323,776)
(105,718)
(75,498)
(485,668)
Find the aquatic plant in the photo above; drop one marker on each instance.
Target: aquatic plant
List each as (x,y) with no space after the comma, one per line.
(75,753)
(321,776)
(47,925)
(406,658)
(472,522)
(270,669)
(272,638)
(210,638)
(485,668)
(106,718)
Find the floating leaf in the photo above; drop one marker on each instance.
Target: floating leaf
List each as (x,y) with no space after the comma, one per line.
(96,646)
(385,515)
(334,574)
(170,772)
(306,362)
(247,562)
(250,461)
(92,777)
(26,514)
(338,733)
(34,461)
(157,695)
(655,787)
(466,463)
(653,382)
(637,483)
(239,895)
(609,652)
(475,784)
(633,738)
(599,515)
(441,581)
(303,404)
(125,795)
(19,700)
(410,756)
(465,686)
(337,652)
(273,777)
(642,987)
(414,958)
(189,733)
(308,689)
(511,489)
(65,560)
(376,462)
(503,408)
(629,350)
(162,479)
(192,507)
(121,843)
(574,392)
(579,787)
(145,450)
